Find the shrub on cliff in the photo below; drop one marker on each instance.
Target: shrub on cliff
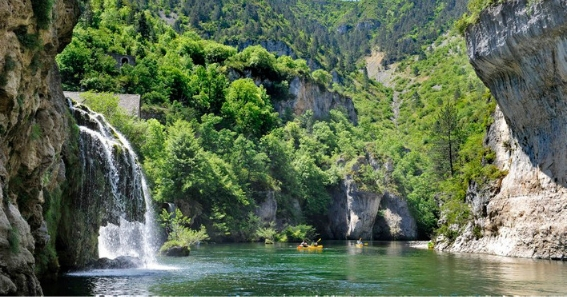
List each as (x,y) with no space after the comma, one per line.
(180,236)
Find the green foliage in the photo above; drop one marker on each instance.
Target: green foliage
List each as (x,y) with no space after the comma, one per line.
(179,233)
(475,7)
(46,259)
(322,77)
(256,58)
(447,138)
(217,53)
(456,214)
(334,34)
(172,244)
(42,12)
(268,233)
(105,103)
(248,108)
(300,232)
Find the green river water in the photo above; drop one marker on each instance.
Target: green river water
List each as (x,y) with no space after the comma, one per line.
(381,268)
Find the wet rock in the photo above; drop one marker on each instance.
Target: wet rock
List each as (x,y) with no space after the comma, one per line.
(176,251)
(122,262)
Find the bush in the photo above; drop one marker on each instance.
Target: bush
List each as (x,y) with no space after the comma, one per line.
(218,53)
(268,233)
(322,77)
(42,12)
(179,234)
(105,103)
(300,232)
(154,97)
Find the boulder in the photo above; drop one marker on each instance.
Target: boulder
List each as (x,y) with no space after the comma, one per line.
(176,251)
(122,262)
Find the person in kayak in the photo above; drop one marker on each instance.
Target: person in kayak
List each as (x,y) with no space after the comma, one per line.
(304,243)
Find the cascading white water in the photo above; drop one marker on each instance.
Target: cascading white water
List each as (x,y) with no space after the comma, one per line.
(127,195)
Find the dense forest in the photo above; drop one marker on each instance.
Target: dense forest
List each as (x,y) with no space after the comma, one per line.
(212,141)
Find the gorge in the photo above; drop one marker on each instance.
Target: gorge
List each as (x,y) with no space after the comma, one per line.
(57,161)
(518,49)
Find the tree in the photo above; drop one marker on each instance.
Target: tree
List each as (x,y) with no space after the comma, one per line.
(74,62)
(211,85)
(249,108)
(322,77)
(144,28)
(447,140)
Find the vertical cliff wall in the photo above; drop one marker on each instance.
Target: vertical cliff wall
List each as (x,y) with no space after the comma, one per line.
(306,95)
(33,129)
(519,50)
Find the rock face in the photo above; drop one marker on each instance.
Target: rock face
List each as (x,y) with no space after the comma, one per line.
(279,48)
(306,95)
(33,130)
(267,210)
(122,262)
(395,221)
(519,50)
(353,210)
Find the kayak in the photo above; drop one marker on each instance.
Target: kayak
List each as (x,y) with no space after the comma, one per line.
(310,247)
(359,245)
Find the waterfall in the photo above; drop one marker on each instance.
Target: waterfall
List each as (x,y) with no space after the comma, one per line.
(114,192)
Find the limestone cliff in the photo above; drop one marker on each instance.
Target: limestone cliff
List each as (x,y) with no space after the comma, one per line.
(306,95)
(394,220)
(519,50)
(359,209)
(33,130)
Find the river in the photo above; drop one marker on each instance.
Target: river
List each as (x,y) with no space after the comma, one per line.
(381,268)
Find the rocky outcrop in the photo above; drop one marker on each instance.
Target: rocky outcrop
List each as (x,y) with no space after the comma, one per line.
(122,262)
(33,130)
(519,50)
(278,47)
(176,251)
(267,209)
(306,95)
(394,221)
(353,208)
